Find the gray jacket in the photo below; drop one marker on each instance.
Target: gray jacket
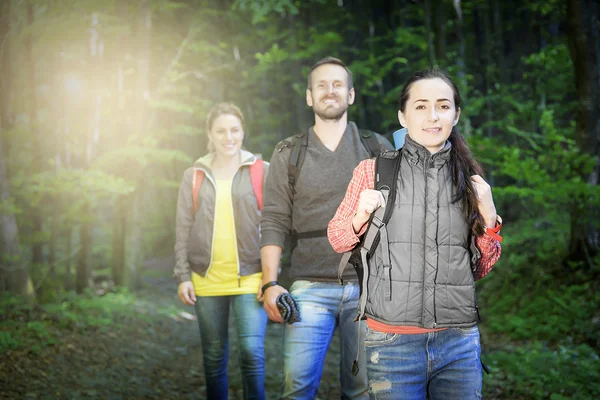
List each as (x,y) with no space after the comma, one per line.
(429,282)
(194,233)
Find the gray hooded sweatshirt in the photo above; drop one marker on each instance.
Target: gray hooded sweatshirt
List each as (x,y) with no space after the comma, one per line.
(194,233)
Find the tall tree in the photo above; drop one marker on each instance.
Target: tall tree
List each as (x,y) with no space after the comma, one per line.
(440,24)
(37,255)
(584,47)
(13,270)
(142,48)
(460,61)
(430,33)
(14,274)
(83,273)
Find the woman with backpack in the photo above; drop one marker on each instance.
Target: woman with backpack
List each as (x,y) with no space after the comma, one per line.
(217,251)
(418,294)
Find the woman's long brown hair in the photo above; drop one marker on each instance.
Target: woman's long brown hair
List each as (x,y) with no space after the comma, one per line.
(462,163)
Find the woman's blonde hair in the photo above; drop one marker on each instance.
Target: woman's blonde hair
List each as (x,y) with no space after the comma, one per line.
(218,110)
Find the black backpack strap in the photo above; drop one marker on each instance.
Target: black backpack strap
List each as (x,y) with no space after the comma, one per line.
(387,168)
(305,235)
(299,145)
(369,140)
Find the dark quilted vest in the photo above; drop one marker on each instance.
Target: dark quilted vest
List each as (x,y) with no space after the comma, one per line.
(430,282)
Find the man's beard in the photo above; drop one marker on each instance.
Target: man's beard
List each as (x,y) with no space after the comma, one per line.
(332,113)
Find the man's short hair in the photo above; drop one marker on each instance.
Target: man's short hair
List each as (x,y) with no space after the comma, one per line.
(329,60)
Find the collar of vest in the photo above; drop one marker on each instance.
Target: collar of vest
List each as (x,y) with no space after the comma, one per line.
(414,152)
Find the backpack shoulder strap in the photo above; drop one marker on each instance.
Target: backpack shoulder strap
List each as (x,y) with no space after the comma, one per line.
(197,179)
(257,171)
(299,145)
(369,140)
(387,168)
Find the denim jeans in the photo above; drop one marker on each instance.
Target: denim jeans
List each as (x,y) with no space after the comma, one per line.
(443,365)
(251,323)
(324,306)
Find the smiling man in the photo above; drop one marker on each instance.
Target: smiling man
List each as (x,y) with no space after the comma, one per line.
(300,199)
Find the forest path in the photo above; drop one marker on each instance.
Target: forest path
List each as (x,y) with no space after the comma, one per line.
(151,355)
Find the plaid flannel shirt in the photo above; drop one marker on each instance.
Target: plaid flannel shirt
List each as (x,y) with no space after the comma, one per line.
(342,237)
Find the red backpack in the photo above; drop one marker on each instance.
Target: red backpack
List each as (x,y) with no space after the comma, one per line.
(256,179)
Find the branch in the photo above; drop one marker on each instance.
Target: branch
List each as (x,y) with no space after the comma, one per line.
(163,81)
(199,74)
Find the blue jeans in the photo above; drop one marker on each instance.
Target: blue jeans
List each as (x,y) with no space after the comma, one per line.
(443,365)
(324,306)
(251,321)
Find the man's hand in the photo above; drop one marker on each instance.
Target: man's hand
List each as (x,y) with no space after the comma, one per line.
(269,298)
(186,293)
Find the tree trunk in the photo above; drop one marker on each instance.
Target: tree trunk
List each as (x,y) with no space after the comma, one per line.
(460,64)
(64,151)
(489,79)
(14,274)
(440,24)
(135,257)
(37,255)
(82,278)
(12,265)
(83,273)
(136,254)
(68,232)
(53,235)
(301,121)
(119,240)
(428,23)
(582,26)
(499,42)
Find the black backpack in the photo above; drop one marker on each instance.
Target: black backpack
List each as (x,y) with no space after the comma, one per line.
(298,144)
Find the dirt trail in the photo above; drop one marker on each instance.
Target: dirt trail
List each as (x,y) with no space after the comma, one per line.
(151,357)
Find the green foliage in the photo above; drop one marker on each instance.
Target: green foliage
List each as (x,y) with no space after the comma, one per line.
(8,341)
(262,8)
(34,328)
(536,371)
(19,328)
(136,158)
(531,311)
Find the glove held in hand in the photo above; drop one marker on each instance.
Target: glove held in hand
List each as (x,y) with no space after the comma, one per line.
(288,308)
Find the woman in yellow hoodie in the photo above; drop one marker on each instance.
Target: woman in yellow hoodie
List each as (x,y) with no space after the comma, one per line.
(217,251)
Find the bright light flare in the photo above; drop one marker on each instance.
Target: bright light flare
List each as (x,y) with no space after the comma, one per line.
(73,86)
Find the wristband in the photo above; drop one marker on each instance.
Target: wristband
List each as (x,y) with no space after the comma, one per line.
(269,284)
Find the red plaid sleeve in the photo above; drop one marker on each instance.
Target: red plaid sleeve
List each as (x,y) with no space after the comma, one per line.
(489,246)
(340,231)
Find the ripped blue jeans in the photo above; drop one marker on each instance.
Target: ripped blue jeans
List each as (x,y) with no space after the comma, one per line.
(442,365)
